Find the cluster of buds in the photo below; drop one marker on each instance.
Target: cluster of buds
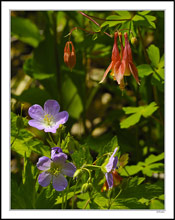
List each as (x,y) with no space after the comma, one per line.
(69,55)
(122,63)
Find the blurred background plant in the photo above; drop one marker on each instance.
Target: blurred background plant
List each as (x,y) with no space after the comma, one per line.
(97,112)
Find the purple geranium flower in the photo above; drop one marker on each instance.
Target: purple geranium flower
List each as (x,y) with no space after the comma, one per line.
(48,119)
(54,169)
(111,165)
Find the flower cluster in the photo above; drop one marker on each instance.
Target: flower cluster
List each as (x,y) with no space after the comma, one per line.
(48,119)
(122,62)
(69,55)
(112,177)
(54,169)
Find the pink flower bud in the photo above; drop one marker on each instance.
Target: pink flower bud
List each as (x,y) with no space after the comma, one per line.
(69,55)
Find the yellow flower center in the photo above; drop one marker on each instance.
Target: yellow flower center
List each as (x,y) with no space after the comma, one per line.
(55,169)
(48,119)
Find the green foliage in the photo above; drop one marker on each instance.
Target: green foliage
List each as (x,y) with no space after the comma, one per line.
(144,111)
(24,142)
(148,167)
(96,124)
(25,31)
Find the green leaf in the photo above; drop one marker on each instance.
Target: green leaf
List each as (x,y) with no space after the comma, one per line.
(154,55)
(150,20)
(149,109)
(144,70)
(131,170)
(152,158)
(25,141)
(161,63)
(25,31)
(30,96)
(130,121)
(81,156)
(29,69)
(95,27)
(101,201)
(156,204)
(143,12)
(144,111)
(124,14)
(138,18)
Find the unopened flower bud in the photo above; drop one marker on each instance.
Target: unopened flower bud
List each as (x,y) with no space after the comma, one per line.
(69,55)
(133,40)
(87,187)
(19,122)
(77,173)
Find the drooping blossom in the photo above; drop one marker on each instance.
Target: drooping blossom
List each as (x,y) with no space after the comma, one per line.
(110,167)
(116,60)
(127,66)
(69,55)
(54,169)
(48,118)
(116,181)
(122,62)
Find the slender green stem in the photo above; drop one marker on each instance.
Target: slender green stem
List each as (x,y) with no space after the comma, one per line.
(126,171)
(67,189)
(86,203)
(73,199)
(115,198)
(62,206)
(51,138)
(15,138)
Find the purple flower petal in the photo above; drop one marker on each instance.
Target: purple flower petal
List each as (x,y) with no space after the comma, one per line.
(61,118)
(43,163)
(68,169)
(55,150)
(36,124)
(59,158)
(115,162)
(112,161)
(59,182)
(51,107)
(50,129)
(109,179)
(44,178)
(36,112)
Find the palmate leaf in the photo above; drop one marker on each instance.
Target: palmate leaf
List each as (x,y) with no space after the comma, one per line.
(144,111)
(25,141)
(144,70)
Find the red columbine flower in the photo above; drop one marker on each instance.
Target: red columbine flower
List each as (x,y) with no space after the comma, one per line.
(69,55)
(127,66)
(116,61)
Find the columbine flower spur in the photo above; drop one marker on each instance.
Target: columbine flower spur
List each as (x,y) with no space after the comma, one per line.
(54,169)
(48,119)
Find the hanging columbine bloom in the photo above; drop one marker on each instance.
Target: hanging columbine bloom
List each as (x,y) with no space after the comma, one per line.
(116,61)
(110,167)
(54,169)
(127,66)
(69,55)
(48,119)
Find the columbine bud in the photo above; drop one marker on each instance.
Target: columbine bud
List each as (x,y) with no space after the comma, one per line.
(19,122)
(69,55)
(87,187)
(133,40)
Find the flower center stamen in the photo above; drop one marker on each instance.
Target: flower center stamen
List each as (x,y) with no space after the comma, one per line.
(55,169)
(48,119)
